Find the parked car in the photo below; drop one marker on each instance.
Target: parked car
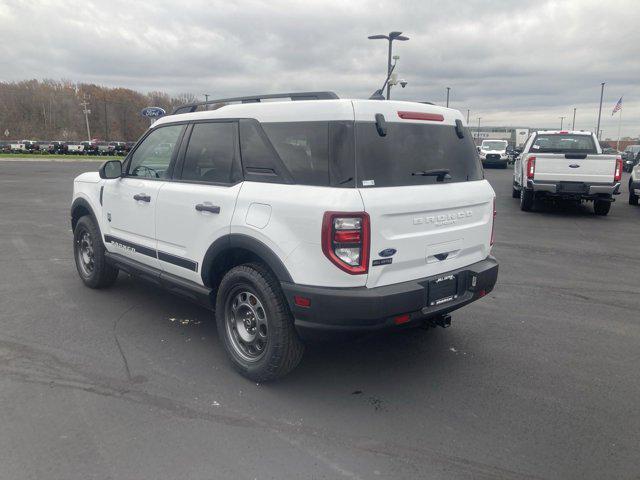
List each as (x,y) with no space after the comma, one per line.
(296,218)
(631,157)
(25,146)
(90,147)
(5,147)
(75,148)
(634,185)
(57,147)
(566,165)
(119,148)
(105,148)
(494,152)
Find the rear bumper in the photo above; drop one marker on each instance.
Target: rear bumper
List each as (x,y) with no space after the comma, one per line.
(587,190)
(367,309)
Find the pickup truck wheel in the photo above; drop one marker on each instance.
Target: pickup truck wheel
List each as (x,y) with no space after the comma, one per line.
(633,198)
(526,199)
(515,193)
(601,207)
(88,251)
(255,324)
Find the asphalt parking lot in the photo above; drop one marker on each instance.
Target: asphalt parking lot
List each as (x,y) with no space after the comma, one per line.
(539,380)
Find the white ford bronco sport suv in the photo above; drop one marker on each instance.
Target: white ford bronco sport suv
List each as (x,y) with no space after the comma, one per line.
(290,218)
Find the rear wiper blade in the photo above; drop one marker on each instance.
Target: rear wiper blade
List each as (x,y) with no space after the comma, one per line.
(441,174)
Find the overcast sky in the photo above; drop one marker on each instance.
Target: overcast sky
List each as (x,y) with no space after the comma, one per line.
(510,62)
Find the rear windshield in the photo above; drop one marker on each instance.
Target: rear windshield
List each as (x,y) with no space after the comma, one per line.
(563,143)
(409,150)
(494,145)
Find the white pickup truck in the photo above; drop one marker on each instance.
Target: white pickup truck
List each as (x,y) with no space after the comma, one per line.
(566,165)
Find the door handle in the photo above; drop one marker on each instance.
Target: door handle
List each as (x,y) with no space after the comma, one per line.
(142,197)
(201,207)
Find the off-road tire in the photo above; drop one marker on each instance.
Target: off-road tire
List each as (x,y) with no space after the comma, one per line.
(102,273)
(633,198)
(526,199)
(515,193)
(283,350)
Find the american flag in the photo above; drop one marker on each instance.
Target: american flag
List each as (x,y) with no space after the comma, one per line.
(617,107)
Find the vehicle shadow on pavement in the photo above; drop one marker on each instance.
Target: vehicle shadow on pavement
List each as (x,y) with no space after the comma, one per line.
(564,208)
(342,362)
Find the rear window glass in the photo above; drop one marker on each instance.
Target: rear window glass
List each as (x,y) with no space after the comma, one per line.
(411,149)
(563,143)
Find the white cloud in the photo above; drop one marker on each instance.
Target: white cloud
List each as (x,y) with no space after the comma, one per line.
(509,62)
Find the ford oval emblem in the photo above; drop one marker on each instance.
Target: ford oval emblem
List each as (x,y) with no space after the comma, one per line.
(153,112)
(574,165)
(388,252)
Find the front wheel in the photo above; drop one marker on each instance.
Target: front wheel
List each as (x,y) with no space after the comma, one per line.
(88,251)
(601,207)
(255,324)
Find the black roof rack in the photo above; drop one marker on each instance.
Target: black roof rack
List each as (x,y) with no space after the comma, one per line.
(192,107)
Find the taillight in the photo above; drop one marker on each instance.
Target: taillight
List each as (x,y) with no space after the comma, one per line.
(493,223)
(531,167)
(617,176)
(345,240)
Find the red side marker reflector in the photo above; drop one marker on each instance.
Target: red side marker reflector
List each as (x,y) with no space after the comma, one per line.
(482,293)
(432,117)
(302,301)
(400,319)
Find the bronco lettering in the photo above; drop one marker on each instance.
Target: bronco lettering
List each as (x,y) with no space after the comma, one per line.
(443,219)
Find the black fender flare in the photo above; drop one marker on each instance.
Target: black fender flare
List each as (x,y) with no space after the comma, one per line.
(237,240)
(83,204)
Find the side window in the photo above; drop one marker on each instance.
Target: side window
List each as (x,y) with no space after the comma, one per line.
(153,156)
(211,153)
(303,148)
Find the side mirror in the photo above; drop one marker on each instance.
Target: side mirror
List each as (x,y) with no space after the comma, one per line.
(111,169)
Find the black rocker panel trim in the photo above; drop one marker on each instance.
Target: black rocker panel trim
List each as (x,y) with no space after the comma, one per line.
(179,261)
(150,252)
(172,283)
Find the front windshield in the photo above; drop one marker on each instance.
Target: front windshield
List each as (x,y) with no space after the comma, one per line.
(494,145)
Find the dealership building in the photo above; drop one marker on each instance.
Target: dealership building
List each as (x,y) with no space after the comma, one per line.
(516,136)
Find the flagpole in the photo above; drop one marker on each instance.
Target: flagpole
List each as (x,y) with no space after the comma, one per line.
(619,125)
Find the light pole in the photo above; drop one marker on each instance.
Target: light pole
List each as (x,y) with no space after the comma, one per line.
(468,112)
(573,125)
(479,129)
(86,112)
(391,37)
(206,99)
(562,122)
(448,88)
(600,109)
